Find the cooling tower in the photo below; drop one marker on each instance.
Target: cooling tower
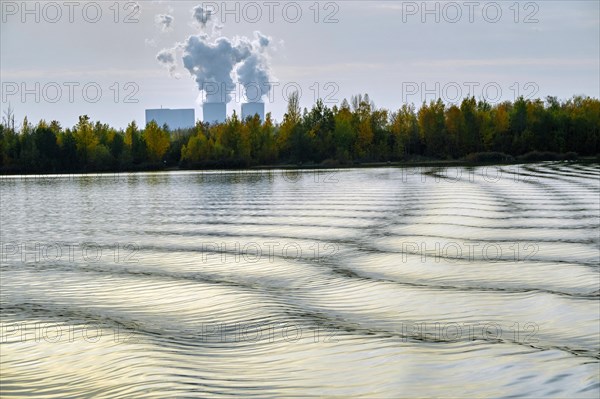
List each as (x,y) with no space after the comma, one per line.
(251,109)
(214,112)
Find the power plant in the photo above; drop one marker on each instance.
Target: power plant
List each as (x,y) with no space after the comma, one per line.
(173,118)
(213,62)
(214,112)
(254,108)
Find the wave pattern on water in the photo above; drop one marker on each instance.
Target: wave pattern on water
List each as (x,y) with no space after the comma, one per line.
(392,282)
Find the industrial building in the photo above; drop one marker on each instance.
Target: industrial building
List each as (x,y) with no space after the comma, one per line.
(214,112)
(173,118)
(251,109)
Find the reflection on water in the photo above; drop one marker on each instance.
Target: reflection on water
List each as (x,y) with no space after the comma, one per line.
(470,282)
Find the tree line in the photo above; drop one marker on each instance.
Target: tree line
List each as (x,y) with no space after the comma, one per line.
(354,132)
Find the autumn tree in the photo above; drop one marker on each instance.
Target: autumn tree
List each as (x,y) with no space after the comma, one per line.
(268,149)
(290,121)
(362,120)
(157,141)
(134,143)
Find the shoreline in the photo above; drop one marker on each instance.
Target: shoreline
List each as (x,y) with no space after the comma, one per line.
(298,167)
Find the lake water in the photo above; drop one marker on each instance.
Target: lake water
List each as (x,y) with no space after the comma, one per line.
(386,282)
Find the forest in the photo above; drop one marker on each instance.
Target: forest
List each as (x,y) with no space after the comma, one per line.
(355,132)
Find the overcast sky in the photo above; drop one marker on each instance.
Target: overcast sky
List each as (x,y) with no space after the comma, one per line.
(394,51)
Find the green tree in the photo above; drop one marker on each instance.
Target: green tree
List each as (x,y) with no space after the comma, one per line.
(48,151)
(319,124)
(68,151)
(344,135)
(86,140)
(382,138)
(235,141)
(455,127)
(432,128)
(134,144)
(471,139)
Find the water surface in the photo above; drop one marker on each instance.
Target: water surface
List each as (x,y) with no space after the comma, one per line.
(417,282)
